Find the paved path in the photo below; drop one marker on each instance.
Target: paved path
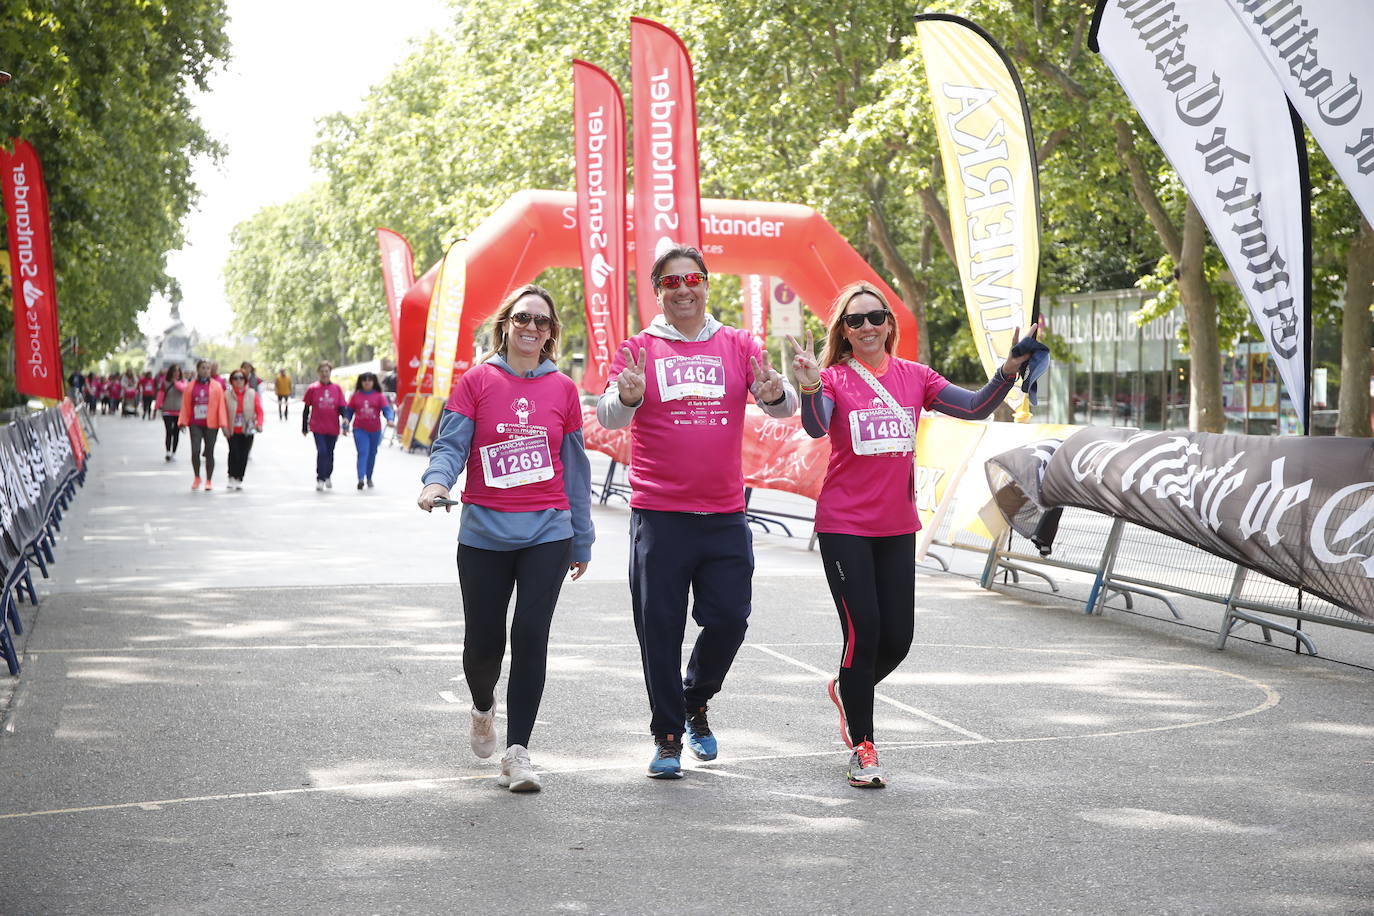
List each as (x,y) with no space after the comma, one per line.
(252,702)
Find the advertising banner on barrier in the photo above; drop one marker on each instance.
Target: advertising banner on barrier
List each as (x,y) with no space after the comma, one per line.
(1207,95)
(1319,52)
(37,347)
(599,143)
(398,275)
(73,424)
(944,446)
(988,153)
(446,316)
(1295,509)
(667,198)
(974,510)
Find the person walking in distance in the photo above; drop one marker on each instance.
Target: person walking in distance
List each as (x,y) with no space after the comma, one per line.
(324,409)
(170,389)
(365,411)
(869,402)
(283,384)
(515,423)
(147,392)
(203,414)
(681,386)
(244,406)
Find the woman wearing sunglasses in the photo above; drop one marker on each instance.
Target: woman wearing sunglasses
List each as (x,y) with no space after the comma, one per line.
(869,401)
(245,421)
(515,423)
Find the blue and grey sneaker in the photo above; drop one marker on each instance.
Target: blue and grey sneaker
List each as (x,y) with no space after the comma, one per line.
(667,761)
(699,737)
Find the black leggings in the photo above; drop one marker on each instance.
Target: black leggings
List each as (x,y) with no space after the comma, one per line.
(206,434)
(169,422)
(873,582)
(487,578)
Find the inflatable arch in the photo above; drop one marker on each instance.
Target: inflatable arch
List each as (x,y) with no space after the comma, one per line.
(535,230)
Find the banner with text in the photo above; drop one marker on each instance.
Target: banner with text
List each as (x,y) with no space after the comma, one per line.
(599,143)
(1299,510)
(38,352)
(446,313)
(1319,50)
(398,275)
(987,149)
(755,314)
(1220,116)
(667,198)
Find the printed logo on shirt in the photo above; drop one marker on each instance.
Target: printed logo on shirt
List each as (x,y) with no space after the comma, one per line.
(522,407)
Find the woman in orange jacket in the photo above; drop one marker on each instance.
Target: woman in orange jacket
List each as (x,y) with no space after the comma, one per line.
(203,413)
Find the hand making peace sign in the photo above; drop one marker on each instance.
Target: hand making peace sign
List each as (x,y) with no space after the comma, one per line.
(631,378)
(804,364)
(768,381)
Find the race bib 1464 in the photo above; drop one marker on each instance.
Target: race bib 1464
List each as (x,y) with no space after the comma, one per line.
(690,377)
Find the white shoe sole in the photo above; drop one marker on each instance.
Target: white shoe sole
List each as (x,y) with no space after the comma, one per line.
(525,782)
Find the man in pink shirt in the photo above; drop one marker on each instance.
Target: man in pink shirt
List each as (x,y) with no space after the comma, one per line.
(681,386)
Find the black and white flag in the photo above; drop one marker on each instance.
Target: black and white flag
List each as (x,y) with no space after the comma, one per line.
(1221,117)
(1319,51)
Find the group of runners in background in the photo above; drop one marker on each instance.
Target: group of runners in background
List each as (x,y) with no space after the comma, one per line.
(120,393)
(513,423)
(207,405)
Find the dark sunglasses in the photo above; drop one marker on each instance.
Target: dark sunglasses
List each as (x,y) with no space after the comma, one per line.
(673,281)
(522,319)
(238,378)
(877,318)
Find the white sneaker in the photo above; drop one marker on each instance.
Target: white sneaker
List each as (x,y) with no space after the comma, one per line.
(483,735)
(319,486)
(517,774)
(329,482)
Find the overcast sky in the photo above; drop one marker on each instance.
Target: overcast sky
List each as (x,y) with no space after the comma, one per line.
(293,61)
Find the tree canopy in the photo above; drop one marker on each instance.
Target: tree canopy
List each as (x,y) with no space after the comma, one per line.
(103,90)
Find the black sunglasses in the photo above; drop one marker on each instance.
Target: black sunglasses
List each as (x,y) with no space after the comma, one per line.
(877,317)
(238,378)
(522,319)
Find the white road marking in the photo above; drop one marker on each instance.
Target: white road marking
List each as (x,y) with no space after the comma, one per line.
(896,704)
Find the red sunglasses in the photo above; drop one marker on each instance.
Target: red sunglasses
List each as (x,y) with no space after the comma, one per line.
(673,281)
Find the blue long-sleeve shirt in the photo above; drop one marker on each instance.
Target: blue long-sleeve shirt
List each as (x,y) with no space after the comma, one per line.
(492,529)
(952,400)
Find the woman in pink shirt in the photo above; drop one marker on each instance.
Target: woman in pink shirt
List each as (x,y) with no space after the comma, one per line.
(366,409)
(869,401)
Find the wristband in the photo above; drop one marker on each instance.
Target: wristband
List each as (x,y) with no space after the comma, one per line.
(805,390)
(777,402)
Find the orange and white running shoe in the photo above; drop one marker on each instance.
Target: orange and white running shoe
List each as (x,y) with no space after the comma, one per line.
(832,687)
(864,772)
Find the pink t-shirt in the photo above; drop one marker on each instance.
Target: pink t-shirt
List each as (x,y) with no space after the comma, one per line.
(324,401)
(367,410)
(518,429)
(687,434)
(200,403)
(147,387)
(115,390)
(869,486)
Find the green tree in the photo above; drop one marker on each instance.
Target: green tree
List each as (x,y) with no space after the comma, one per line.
(102,90)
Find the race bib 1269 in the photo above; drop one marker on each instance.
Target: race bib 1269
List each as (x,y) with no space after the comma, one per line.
(879,431)
(690,377)
(517,462)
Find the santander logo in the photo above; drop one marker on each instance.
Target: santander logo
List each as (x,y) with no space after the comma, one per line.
(31,293)
(601,270)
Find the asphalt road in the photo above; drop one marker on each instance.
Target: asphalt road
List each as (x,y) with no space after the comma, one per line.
(252,702)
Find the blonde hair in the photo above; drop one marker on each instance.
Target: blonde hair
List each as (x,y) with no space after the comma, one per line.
(498,329)
(837,347)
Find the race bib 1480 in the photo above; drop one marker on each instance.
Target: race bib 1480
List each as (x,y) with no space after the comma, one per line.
(879,431)
(517,462)
(690,377)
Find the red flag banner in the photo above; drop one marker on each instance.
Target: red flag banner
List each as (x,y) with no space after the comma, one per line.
(667,188)
(599,140)
(410,343)
(38,359)
(398,275)
(756,308)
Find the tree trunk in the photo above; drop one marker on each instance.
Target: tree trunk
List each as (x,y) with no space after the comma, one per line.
(1352,418)
(1200,309)
(912,289)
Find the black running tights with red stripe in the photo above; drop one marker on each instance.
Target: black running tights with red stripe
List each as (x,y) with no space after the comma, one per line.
(873,583)
(487,577)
